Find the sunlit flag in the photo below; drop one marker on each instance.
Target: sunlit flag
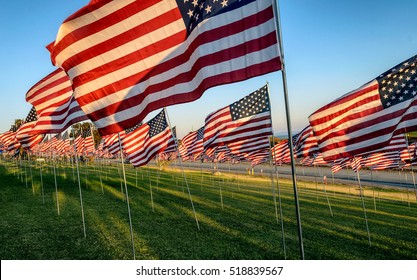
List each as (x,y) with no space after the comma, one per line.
(55,104)
(192,144)
(305,144)
(245,123)
(366,119)
(148,140)
(127,58)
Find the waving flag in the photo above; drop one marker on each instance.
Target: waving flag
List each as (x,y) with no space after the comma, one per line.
(192,144)
(63,146)
(384,160)
(148,140)
(127,58)
(23,135)
(339,164)
(9,139)
(281,152)
(55,104)
(306,143)
(367,118)
(244,121)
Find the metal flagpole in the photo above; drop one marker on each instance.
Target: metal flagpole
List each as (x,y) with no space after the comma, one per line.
(273,164)
(79,187)
(327,196)
(182,168)
(43,193)
(31,175)
(26,174)
(287,111)
(56,184)
(127,197)
(411,165)
(363,206)
(150,188)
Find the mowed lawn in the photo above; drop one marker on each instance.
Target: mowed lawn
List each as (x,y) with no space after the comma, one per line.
(237,216)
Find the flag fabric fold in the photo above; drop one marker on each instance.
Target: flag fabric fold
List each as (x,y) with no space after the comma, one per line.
(24,135)
(55,104)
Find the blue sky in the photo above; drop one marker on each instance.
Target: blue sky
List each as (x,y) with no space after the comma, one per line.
(331,48)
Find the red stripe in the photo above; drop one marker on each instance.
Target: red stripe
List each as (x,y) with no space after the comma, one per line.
(98,25)
(119,40)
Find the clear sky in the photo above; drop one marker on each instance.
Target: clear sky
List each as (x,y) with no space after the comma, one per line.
(331,47)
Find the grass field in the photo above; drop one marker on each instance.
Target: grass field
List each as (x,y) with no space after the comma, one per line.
(236,215)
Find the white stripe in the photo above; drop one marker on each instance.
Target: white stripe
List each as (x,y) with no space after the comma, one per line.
(91,17)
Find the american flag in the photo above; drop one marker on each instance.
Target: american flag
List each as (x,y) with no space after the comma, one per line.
(192,144)
(339,164)
(385,160)
(243,122)
(258,157)
(249,148)
(127,58)
(305,143)
(366,119)
(80,140)
(148,140)
(281,152)
(318,159)
(63,146)
(55,104)
(357,163)
(89,145)
(45,145)
(52,143)
(9,139)
(172,146)
(24,135)
(308,161)
(408,154)
(111,142)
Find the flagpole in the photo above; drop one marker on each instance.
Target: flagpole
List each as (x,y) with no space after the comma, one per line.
(364,209)
(182,167)
(56,184)
(272,162)
(275,168)
(127,197)
(79,187)
(411,164)
(288,116)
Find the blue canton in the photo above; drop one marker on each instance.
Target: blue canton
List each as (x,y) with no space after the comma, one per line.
(253,104)
(32,116)
(200,133)
(157,124)
(399,83)
(195,11)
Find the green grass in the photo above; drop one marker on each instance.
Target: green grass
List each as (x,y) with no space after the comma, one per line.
(245,227)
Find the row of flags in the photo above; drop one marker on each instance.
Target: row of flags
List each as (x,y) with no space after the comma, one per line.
(119,60)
